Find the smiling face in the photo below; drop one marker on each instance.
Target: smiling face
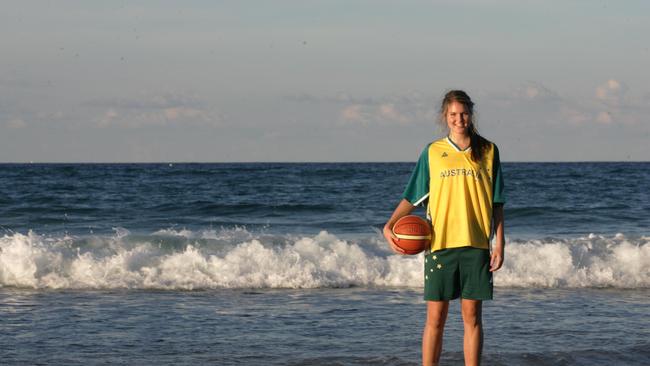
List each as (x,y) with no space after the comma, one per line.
(458,118)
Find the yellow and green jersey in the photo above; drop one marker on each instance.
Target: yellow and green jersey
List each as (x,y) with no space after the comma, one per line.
(458,192)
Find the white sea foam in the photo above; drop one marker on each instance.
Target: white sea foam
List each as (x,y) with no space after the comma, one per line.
(230,234)
(240,259)
(592,261)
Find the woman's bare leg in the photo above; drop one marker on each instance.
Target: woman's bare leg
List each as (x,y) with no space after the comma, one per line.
(433,329)
(473,340)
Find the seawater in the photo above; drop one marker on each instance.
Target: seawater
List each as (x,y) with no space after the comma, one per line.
(285,264)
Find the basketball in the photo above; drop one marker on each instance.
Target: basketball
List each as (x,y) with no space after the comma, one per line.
(413,234)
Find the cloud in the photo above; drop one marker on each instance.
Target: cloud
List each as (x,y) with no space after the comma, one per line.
(16,83)
(611,103)
(354,113)
(411,97)
(530,103)
(108,117)
(529,93)
(611,92)
(16,123)
(389,112)
(148,101)
(574,115)
(408,108)
(616,104)
(148,109)
(365,114)
(532,90)
(604,117)
(164,109)
(338,98)
(396,111)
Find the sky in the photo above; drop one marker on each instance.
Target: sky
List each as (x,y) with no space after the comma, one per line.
(320,81)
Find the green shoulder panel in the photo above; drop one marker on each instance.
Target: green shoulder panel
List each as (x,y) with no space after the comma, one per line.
(498,195)
(417,189)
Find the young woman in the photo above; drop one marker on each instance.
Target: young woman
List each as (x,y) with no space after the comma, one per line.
(459,180)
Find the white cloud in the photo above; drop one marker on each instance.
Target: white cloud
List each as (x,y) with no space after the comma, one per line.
(108,117)
(612,103)
(529,104)
(353,113)
(389,112)
(155,110)
(574,114)
(356,113)
(382,113)
(604,118)
(611,92)
(408,108)
(16,123)
(184,112)
(617,104)
(532,90)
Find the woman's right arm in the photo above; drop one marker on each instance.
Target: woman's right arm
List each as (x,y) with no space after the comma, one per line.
(403,208)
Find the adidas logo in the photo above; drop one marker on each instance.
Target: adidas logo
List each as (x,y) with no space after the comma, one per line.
(444,154)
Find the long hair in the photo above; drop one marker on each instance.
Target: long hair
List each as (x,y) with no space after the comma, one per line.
(478,144)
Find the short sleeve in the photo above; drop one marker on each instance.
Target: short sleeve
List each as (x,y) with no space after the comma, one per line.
(498,195)
(417,189)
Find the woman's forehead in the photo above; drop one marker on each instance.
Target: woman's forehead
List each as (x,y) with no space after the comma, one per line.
(456,107)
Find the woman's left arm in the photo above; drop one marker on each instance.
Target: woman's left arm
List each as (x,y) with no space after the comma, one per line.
(496,259)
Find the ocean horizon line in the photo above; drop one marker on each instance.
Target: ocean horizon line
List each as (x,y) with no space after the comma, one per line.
(299,162)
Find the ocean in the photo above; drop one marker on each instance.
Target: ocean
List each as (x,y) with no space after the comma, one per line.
(284,264)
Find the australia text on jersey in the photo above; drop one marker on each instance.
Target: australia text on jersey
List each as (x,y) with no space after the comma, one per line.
(460,172)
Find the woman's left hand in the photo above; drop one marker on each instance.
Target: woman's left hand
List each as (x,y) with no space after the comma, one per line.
(496,259)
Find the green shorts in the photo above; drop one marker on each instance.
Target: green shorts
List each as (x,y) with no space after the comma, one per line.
(458,272)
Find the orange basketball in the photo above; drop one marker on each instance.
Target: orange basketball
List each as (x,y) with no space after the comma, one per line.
(413,234)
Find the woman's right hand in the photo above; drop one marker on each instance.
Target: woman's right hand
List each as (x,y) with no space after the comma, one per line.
(388,234)
(403,208)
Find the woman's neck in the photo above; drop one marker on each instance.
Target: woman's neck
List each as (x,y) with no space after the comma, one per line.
(462,141)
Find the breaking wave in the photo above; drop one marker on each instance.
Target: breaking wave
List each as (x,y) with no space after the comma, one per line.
(236,258)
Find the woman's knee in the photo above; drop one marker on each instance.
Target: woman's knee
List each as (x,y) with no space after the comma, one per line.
(472,312)
(437,314)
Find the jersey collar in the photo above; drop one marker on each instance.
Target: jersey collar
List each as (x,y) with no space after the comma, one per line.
(456,146)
